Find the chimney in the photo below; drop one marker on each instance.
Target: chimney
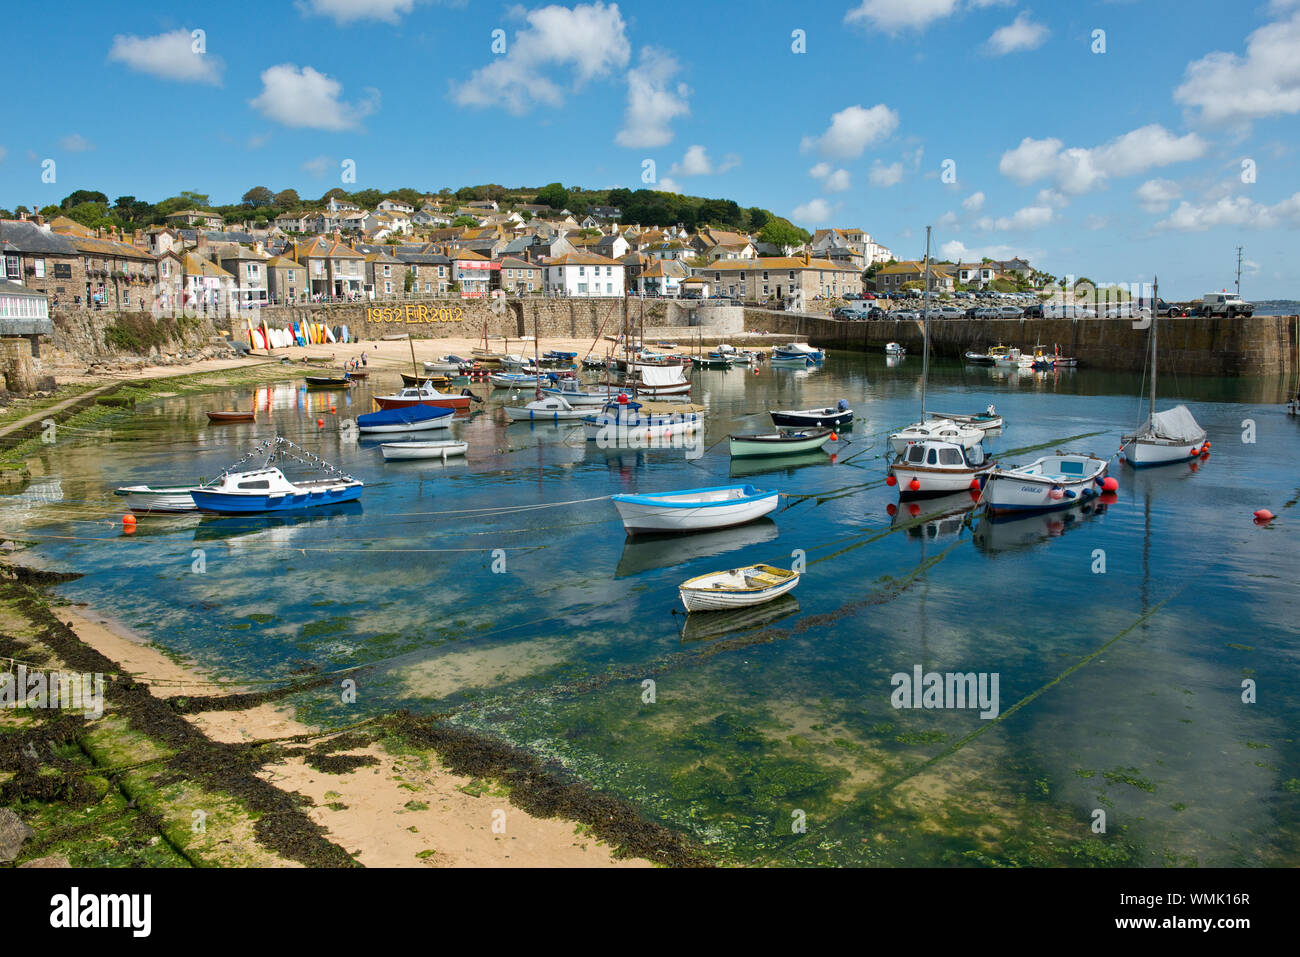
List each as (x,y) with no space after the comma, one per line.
(38,219)
(22,217)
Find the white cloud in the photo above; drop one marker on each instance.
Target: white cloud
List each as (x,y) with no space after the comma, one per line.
(832,180)
(591,39)
(308,98)
(1155,195)
(1019,34)
(1228,88)
(669,185)
(813,211)
(1234,211)
(973,203)
(852,130)
(948,220)
(319,166)
(347,11)
(652,101)
(168,55)
(76,143)
(1096,221)
(893,16)
(882,175)
(696,162)
(1078,170)
(1029,217)
(1052,198)
(958,251)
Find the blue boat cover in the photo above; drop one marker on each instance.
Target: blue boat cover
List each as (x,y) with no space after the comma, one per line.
(403,416)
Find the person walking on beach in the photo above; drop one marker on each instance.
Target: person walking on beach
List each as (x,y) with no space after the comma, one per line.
(363,359)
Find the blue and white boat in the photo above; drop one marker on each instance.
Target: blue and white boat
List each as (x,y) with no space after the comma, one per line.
(267,489)
(408,418)
(694,509)
(1051,482)
(624,423)
(795,349)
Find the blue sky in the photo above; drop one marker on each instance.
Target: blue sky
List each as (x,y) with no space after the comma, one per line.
(1159,155)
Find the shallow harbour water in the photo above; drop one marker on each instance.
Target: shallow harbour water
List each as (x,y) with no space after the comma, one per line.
(1119,691)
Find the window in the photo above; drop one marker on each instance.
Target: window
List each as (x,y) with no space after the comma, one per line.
(428,287)
(609,270)
(717,277)
(254,270)
(290,277)
(765,278)
(388,288)
(582,270)
(582,287)
(949,457)
(932,458)
(388,270)
(11,266)
(915,454)
(39,266)
(264,483)
(609,287)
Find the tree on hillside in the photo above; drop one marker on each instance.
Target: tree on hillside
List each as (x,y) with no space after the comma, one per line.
(553,195)
(367,198)
(619,197)
(197,200)
(131,213)
(758,217)
(469,221)
(93,215)
(83,196)
(778,232)
(49,212)
(335,193)
(258,196)
(287,199)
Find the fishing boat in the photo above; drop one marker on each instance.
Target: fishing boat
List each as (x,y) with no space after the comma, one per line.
(946,429)
(778,443)
(267,489)
(836,418)
(737,588)
(631,424)
(695,509)
(799,349)
(1166,437)
(935,456)
(791,362)
(416,380)
(402,451)
(425,395)
(656,381)
(1051,482)
(234,415)
(556,355)
(712,361)
(511,380)
(979,358)
(152,499)
(988,421)
(1013,359)
(575,393)
(1063,362)
(447,365)
(894,349)
(328,381)
(412,418)
(549,408)
(934,467)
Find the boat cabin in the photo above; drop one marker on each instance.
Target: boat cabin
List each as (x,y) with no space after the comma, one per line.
(935,454)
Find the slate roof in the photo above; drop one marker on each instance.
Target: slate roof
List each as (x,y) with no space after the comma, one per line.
(27,237)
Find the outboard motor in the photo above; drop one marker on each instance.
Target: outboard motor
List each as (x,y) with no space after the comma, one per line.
(843,405)
(472,396)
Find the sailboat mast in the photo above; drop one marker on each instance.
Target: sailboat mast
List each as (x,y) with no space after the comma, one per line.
(1155,315)
(925,325)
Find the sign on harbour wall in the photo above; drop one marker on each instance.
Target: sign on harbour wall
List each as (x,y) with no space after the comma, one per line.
(415,313)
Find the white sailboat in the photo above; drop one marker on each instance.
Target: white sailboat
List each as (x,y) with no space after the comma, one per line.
(1166,437)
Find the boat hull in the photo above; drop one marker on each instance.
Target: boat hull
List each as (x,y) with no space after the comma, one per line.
(934,482)
(404,451)
(813,418)
(226,503)
(644,515)
(1143,454)
(700,597)
(146,499)
(216,418)
(438,402)
(1009,491)
(750,446)
(409,419)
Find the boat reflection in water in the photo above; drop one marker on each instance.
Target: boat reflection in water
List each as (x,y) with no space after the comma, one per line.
(279,528)
(1000,534)
(645,552)
(778,463)
(710,625)
(935,518)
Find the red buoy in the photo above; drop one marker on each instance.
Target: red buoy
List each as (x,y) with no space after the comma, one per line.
(1263,516)
(1111,484)
(128,524)
(974,485)
(890,480)
(914,485)
(334,410)
(320,423)
(834,437)
(914,510)
(891,509)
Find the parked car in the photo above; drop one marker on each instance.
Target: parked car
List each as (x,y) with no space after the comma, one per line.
(1010,312)
(1169,309)
(907,315)
(1225,304)
(949,312)
(986,312)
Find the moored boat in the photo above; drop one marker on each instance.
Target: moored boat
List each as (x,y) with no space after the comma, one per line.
(935,428)
(234,415)
(424,395)
(401,451)
(696,509)
(837,418)
(328,381)
(267,489)
(549,408)
(737,588)
(987,421)
(934,467)
(1051,482)
(800,349)
(894,349)
(147,499)
(778,443)
(412,418)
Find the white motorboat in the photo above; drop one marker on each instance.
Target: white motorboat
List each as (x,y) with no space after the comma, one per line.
(1013,359)
(737,588)
(662,381)
(575,393)
(549,408)
(800,349)
(944,429)
(988,420)
(636,424)
(147,499)
(401,451)
(894,349)
(511,380)
(693,510)
(933,467)
(442,367)
(1166,437)
(1051,482)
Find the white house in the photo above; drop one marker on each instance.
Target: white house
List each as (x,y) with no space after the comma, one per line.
(583,274)
(391,205)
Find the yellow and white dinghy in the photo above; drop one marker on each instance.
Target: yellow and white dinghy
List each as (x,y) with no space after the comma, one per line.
(737,588)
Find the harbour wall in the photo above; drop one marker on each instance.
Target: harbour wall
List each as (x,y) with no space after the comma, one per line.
(1200,345)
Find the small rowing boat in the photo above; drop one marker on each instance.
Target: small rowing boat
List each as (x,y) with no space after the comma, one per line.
(836,418)
(694,509)
(440,381)
(235,415)
(550,408)
(402,451)
(328,382)
(148,499)
(737,588)
(412,418)
(988,420)
(778,443)
(1051,482)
